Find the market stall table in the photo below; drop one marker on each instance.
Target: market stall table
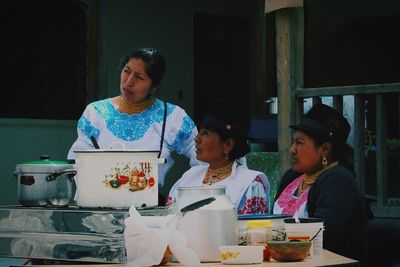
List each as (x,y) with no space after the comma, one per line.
(65,233)
(327,259)
(90,236)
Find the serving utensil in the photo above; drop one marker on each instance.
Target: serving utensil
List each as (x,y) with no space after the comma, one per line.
(196,205)
(94,141)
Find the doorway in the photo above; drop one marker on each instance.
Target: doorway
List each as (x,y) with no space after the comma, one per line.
(43,59)
(221,61)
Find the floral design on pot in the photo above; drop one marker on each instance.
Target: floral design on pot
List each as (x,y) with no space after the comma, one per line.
(134,176)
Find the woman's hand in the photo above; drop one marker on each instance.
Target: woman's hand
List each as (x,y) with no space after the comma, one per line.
(167,255)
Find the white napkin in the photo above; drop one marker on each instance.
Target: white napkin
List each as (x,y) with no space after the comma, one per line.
(147,238)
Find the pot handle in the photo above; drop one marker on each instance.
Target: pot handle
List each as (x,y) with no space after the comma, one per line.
(196,205)
(269,101)
(161,161)
(52,176)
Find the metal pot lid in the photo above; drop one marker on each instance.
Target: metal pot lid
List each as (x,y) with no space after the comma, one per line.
(45,159)
(44,165)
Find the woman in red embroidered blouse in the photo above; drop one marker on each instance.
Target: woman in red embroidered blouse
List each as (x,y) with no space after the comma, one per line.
(221,141)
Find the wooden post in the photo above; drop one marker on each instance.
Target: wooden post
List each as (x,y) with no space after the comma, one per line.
(359,141)
(338,103)
(289,68)
(381,150)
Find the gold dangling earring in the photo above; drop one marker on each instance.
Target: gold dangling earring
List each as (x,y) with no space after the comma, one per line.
(324,162)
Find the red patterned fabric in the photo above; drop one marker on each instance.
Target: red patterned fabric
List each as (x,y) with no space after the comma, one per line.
(288,202)
(253,201)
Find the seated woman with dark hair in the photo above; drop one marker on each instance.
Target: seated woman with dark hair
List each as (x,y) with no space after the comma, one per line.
(320,186)
(221,141)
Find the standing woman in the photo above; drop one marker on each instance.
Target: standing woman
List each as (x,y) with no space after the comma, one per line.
(320,186)
(221,141)
(136,117)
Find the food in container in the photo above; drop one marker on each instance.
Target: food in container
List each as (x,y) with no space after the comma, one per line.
(304,230)
(277,226)
(241,254)
(258,232)
(289,250)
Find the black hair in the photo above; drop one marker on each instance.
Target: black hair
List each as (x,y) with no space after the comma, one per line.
(154,60)
(325,124)
(224,119)
(340,150)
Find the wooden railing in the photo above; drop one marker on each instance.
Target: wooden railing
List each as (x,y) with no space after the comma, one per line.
(380,206)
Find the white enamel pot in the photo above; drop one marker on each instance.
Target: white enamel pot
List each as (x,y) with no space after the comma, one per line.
(113,178)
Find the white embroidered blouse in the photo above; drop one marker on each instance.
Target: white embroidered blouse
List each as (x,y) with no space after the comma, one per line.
(248,190)
(138,131)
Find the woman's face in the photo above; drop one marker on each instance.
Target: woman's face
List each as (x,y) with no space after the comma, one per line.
(305,155)
(135,85)
(210,148)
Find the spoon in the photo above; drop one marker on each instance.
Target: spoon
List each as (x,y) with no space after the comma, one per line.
(296,219)
(95,144)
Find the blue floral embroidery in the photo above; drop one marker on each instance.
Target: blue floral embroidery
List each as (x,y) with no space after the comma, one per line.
(87,128)
(184,133)
(131,127)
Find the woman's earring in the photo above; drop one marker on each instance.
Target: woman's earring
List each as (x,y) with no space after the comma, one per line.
(324,162)
(227,156)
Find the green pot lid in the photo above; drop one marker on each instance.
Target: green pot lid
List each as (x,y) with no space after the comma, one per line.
(44,159)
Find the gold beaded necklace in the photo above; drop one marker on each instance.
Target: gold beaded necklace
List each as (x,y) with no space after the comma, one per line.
(310,179)
(215,175)
(126,107)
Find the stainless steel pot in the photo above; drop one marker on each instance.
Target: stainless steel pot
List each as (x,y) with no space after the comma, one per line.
(210,226)
(44,182)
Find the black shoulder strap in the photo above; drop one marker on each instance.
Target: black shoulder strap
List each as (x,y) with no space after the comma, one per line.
(163,128)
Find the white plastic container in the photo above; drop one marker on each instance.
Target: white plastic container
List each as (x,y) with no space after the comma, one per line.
(276,219)
(258,232)
(117,178)
(305,230)
(241,254)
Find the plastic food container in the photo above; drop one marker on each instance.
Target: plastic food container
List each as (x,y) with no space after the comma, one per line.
(276,219)
(258,232)
(306,230)
(241,254)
